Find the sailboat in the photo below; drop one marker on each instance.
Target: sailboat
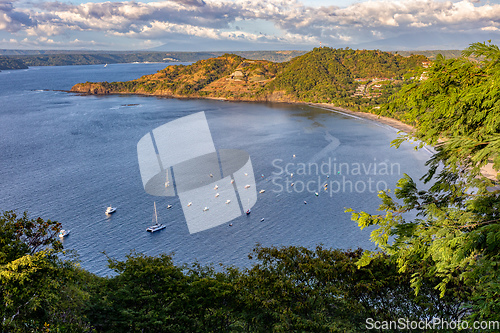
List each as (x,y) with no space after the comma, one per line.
(157,226)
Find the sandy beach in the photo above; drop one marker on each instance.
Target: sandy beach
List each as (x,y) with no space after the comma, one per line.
(487,170)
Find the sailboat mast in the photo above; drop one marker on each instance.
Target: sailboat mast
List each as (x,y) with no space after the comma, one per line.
(155,217)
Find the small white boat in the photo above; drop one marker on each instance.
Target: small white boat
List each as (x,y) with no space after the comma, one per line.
(211,175)
(169,206)
(262,191)
(232,181)
(110,210)
(63,233)
(216,187)
(305,202)
(217,195)
(247,186)
(262,219)
(189,204)
(292,184)
(316,193)
(205,209)
(246,174)
(228,201)
(291,175)
(157,226)
(293,155)
(106,65)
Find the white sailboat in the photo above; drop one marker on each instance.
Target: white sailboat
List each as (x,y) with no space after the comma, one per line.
(157,226)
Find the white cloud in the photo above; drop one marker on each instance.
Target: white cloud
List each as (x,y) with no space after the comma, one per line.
(216,19)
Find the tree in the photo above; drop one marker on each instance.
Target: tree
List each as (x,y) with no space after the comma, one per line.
(36,286)
(20,235)
(455,237)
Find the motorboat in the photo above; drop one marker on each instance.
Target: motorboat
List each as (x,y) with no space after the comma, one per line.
(157,226)
(216,187)
(248,212)
(262,191)
(110,210)
(189,204)
(217,195)
(63,233)
(205,209)
(247,186)
(169,206)
(228,201)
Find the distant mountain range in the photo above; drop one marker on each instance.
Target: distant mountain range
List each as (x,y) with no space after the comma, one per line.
(17,59)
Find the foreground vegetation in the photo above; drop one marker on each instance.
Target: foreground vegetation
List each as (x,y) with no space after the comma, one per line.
(443,264)
(288,289)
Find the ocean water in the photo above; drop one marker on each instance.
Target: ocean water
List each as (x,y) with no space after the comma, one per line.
(67,157)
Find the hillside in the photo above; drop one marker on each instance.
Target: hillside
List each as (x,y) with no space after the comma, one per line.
(228,76)
(322,75)
(333,75)
(9,59)
(7,63)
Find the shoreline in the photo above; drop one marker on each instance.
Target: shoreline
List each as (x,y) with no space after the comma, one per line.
(400,126)
(487,170)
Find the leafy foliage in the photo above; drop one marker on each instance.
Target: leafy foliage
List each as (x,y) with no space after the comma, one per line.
(455,235)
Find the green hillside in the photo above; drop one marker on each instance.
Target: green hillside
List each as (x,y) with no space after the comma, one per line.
(8,63)
(328,75)
(322,75)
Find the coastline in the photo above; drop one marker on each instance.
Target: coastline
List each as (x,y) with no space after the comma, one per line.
(486,170)
(400,126)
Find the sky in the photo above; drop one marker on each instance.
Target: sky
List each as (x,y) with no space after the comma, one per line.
(234,25)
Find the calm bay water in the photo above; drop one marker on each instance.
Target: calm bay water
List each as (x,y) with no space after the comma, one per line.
(67,157)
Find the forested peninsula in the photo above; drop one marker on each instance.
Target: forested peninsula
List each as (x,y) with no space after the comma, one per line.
(436,267)
(342,76)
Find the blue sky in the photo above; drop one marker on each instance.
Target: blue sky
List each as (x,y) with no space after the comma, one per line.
(215,25)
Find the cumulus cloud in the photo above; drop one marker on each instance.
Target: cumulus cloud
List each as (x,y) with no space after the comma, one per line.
(11,19)
(214,19)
